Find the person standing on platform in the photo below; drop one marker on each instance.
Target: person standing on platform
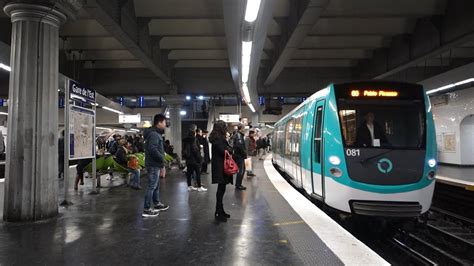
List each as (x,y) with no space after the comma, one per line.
(219,146)
(202,139)
(251,146)
(192,154)
(154,161)
(240,154)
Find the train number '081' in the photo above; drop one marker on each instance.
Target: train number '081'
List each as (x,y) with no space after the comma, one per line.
(353,152)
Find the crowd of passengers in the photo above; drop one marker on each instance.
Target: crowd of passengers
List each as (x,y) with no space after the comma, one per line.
(195,153)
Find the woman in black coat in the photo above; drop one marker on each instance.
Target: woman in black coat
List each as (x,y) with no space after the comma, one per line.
(219,146)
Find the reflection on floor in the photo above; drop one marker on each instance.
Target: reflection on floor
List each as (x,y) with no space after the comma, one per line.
(107,229)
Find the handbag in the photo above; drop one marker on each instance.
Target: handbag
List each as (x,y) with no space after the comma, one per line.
(132,163)
(230,167)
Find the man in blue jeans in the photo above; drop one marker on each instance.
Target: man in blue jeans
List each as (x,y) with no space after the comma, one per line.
(154,161)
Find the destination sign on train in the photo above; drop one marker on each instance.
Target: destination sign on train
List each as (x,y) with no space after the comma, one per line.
(373,93)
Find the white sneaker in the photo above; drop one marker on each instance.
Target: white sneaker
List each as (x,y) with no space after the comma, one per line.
(191,188)
(201,189)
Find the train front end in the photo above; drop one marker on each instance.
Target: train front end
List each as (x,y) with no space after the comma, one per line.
(380,155)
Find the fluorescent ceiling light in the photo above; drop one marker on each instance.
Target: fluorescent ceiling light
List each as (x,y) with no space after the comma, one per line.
(449,86)
(78,97)
(251,108)
(134,129)
(246,92)
(464,81)
(201,97)
(251,11)
(104,128)
(182,112)
(112,110)
(188,98)
(7,68)
(245,68)
(3,113)
(246,48)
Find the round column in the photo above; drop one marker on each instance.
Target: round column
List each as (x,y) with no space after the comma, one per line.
(31,187)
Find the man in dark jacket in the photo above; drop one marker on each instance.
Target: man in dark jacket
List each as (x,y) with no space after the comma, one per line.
(240,154)
(192,154)
(202,140)
(370,133)
(154,161)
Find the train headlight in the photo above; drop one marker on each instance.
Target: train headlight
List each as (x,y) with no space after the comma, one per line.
(336,172)
(431,163)
(334,160)
(431,175)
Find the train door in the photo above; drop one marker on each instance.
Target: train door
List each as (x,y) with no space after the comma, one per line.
(317,151)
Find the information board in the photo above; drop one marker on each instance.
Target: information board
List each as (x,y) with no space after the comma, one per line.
(130,119)
(82,133)
(229,118)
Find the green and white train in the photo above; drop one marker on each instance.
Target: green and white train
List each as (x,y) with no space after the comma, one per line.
(365,148)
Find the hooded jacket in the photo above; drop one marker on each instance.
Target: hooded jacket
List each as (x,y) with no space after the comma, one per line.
(154,151)
(191,144)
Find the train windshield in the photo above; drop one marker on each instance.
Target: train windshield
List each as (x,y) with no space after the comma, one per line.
(371,120)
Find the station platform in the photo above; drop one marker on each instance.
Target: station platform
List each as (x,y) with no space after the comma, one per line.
(271,224)
(456,176)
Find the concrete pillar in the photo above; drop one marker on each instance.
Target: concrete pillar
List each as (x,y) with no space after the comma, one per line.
(174,103)
(31,187)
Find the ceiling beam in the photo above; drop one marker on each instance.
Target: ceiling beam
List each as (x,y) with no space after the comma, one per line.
(432,37)
(122,23)
(303,16)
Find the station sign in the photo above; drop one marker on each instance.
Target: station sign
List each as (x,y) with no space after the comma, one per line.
(130,119)
(80,92)
(229,118)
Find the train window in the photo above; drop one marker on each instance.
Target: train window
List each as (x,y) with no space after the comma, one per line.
(396,124)
(288,142)
(348,125)
(318,135)
(296,141)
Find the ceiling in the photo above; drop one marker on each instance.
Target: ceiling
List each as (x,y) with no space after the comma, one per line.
(142,47)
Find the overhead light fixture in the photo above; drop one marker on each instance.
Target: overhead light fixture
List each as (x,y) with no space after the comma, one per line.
(104,128)
(251,11)
(201,97)
(135,130)
(188,98)
(251,108)
(3,113)
(112,110)
(449,86)
(246,92)
(245,68)
(246,48)
(182,112)
(7,68)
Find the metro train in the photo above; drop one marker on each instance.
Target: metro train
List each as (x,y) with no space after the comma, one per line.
(361,148)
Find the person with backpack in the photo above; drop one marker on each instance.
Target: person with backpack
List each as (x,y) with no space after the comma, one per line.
(240,154)
(192,154)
